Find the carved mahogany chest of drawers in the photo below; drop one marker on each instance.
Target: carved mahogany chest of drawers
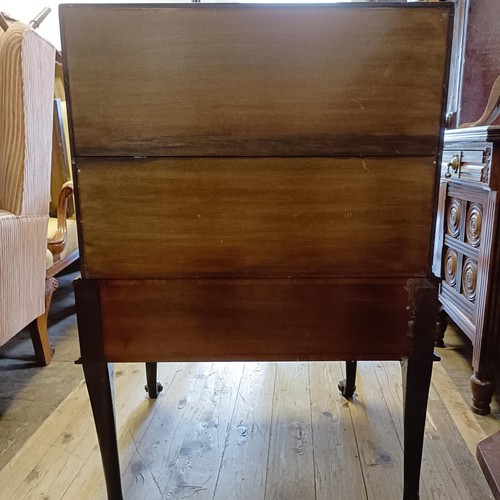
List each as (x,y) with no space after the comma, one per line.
(467,254)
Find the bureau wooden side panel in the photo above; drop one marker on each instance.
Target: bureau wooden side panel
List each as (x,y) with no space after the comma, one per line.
(255,217)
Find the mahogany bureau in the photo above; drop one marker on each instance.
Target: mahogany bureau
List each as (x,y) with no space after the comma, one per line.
(467,255)
(256,182)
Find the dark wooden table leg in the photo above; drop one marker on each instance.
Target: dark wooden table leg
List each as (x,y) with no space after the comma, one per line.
(416,380)
(441,325)
(153,387)
(416,371)
(99,379)
(348,385)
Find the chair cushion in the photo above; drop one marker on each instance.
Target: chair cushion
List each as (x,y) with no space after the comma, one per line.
(5,214)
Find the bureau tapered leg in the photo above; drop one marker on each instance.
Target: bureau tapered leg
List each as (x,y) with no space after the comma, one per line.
(153,387)
(441,325)
(99,379)
(417,371)
(416,383)
(348,385)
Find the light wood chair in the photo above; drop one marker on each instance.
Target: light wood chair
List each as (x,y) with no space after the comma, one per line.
(62,238)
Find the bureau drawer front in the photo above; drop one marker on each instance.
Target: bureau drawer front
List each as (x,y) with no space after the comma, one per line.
(468,165)
(254,320)
(255,217)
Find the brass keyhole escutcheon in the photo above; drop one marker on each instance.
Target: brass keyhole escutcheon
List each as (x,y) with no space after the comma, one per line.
(454,165)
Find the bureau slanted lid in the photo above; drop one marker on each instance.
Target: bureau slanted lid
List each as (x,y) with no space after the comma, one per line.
(256,80)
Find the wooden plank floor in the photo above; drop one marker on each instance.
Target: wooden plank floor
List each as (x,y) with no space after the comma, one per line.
(249,431)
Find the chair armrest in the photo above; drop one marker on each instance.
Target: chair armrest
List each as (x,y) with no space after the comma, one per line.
(57,242)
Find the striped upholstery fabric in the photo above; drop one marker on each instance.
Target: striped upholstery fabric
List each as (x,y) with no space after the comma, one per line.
(22,272)
(26,96)
(27,76)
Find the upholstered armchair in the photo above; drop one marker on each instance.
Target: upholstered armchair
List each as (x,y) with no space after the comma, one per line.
(26,114)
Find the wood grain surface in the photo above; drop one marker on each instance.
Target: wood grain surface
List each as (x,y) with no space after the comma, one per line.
(258,320)
(255,80)
(356,444)
(257,217)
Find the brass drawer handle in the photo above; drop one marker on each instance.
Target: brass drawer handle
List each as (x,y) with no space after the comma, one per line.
(454,165)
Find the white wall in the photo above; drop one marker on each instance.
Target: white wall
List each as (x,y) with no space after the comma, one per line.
(26,10)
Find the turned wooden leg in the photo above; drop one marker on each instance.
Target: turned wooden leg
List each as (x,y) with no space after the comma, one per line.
(483,388)
(38,328)
(99,379)
(441,325)
(153,387)
(348,385)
